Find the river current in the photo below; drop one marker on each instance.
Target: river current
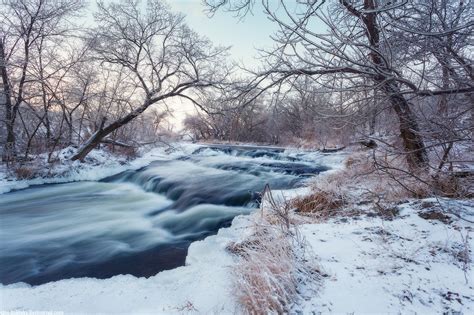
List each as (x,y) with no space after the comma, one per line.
(138,222)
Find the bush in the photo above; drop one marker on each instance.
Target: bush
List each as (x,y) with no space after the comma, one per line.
(129,153)
(24,172)
(319,201)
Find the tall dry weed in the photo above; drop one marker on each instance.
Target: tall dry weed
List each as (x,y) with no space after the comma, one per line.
(275,263)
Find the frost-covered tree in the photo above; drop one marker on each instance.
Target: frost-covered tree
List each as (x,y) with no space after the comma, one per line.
(160,57)
(359,50)
(28,28)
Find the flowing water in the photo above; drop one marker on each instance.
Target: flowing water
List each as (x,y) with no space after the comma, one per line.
(138,222)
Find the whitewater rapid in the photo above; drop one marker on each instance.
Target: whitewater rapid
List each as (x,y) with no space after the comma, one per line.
(137,222)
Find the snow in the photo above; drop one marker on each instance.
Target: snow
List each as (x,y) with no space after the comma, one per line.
(407,265)
(202,285)
(98,164)
(372,265)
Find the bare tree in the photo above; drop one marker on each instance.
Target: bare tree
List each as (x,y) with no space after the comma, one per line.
(160,56)
(27,24)
(356,49)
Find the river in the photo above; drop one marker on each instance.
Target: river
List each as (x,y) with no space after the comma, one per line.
(137,222)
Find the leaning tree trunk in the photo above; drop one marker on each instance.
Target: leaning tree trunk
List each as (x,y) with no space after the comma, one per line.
(91,143)
(102,132)
(409,131)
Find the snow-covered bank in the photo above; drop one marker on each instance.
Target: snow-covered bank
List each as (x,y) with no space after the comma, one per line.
(201,286)
(97,165)
(415,258)
(408,264)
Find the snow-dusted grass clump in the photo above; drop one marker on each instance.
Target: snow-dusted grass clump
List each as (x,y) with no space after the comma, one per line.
(275,262)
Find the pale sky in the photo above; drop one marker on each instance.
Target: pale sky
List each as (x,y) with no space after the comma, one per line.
(244,35)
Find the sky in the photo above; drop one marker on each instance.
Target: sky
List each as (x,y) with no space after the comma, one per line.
(244,35)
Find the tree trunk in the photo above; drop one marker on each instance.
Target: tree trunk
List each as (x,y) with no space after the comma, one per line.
(409,131)
(102,132)
(91,143)
(47,124)
(443,101)
(9,148)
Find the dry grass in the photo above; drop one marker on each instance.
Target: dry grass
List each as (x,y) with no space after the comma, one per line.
(266,280)
(453,187)
(422,183)
(391,179)
(24,172)
(330,195)
(464,255)
(274,264)
(319,201)
(379,182)
(129,153)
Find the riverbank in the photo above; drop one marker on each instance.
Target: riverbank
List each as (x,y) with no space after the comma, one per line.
(204,259)
(403,255)
(409,256)
(203,285)
(97,165)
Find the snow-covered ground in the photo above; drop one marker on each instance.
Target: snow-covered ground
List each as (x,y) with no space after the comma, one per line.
(202,286)
(97,165)
(417,259)
(372,264)
(407,265)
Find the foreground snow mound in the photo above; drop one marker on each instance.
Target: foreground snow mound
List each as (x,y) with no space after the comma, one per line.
(201,286)
(413,263)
